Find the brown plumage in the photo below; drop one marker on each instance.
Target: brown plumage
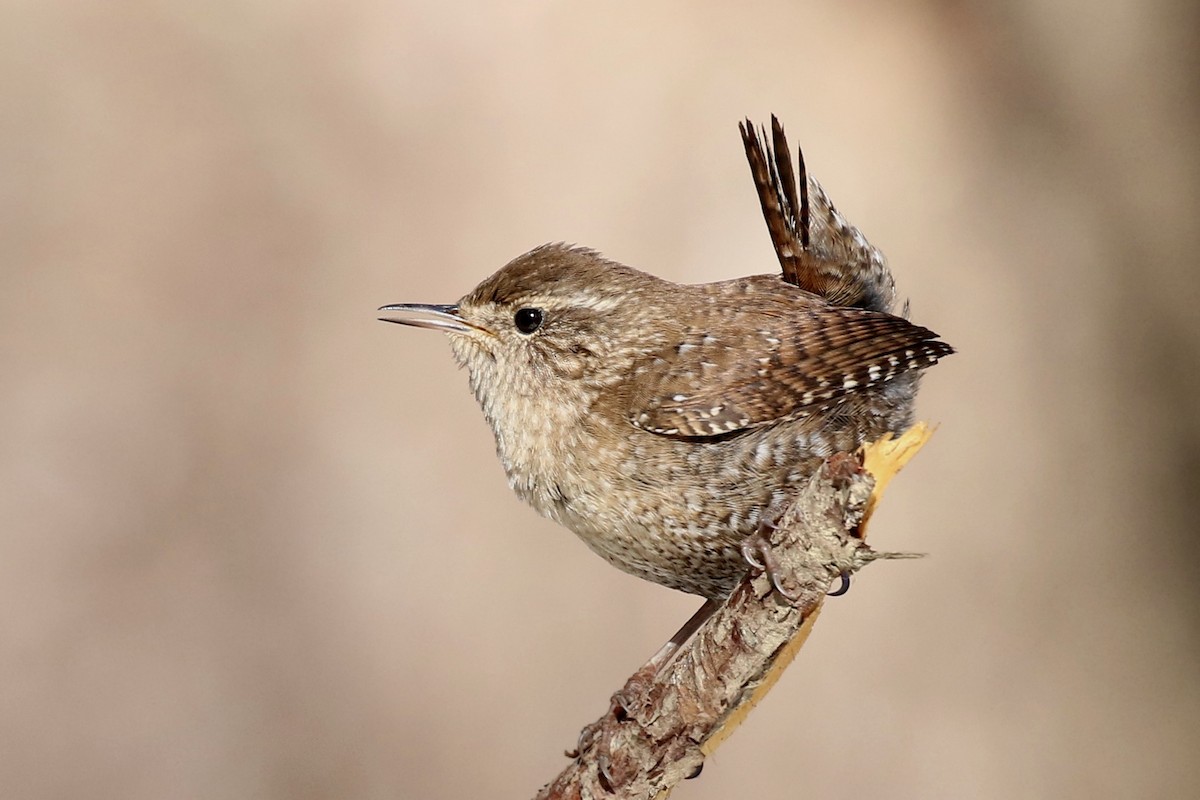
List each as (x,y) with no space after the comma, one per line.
(818,249)
(662,422)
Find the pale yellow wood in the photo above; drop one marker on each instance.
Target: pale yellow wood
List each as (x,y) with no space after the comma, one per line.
(886,457)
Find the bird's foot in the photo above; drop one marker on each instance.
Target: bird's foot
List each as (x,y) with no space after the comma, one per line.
(760,555)
(620,707)
(587,736)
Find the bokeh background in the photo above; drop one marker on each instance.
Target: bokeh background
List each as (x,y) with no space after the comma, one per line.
(255,544)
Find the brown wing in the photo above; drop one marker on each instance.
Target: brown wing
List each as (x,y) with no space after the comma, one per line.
(818,250)
(708,386)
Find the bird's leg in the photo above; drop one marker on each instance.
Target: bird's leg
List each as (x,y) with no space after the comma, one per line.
(639,683)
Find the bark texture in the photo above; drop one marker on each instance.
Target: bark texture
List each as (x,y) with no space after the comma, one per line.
(664,725)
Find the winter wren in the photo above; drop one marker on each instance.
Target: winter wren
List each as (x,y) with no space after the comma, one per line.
(663,423)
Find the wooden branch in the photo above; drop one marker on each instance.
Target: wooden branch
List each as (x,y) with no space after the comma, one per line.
(671,721)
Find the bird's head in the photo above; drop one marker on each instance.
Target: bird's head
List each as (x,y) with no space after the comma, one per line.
(558,319)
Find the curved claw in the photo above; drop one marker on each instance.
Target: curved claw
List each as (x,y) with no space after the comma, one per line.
(603,773)
(777,582)
(843,588)
(756,551)
(752,548)
(619,706)
(581,744)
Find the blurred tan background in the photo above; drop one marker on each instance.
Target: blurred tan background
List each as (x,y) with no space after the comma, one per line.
(255,544)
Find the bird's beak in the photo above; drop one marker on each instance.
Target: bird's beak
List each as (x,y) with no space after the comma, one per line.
(422,315)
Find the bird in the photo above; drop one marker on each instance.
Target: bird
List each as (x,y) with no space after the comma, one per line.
(666,424)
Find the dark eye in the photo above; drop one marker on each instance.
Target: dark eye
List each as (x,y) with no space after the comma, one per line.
(528,320)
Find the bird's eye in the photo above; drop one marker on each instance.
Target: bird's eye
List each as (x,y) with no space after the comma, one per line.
(528,320)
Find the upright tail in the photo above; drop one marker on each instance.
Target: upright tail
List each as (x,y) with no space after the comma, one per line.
(818,249)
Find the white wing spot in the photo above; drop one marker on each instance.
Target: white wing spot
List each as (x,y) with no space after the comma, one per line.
(849,383)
